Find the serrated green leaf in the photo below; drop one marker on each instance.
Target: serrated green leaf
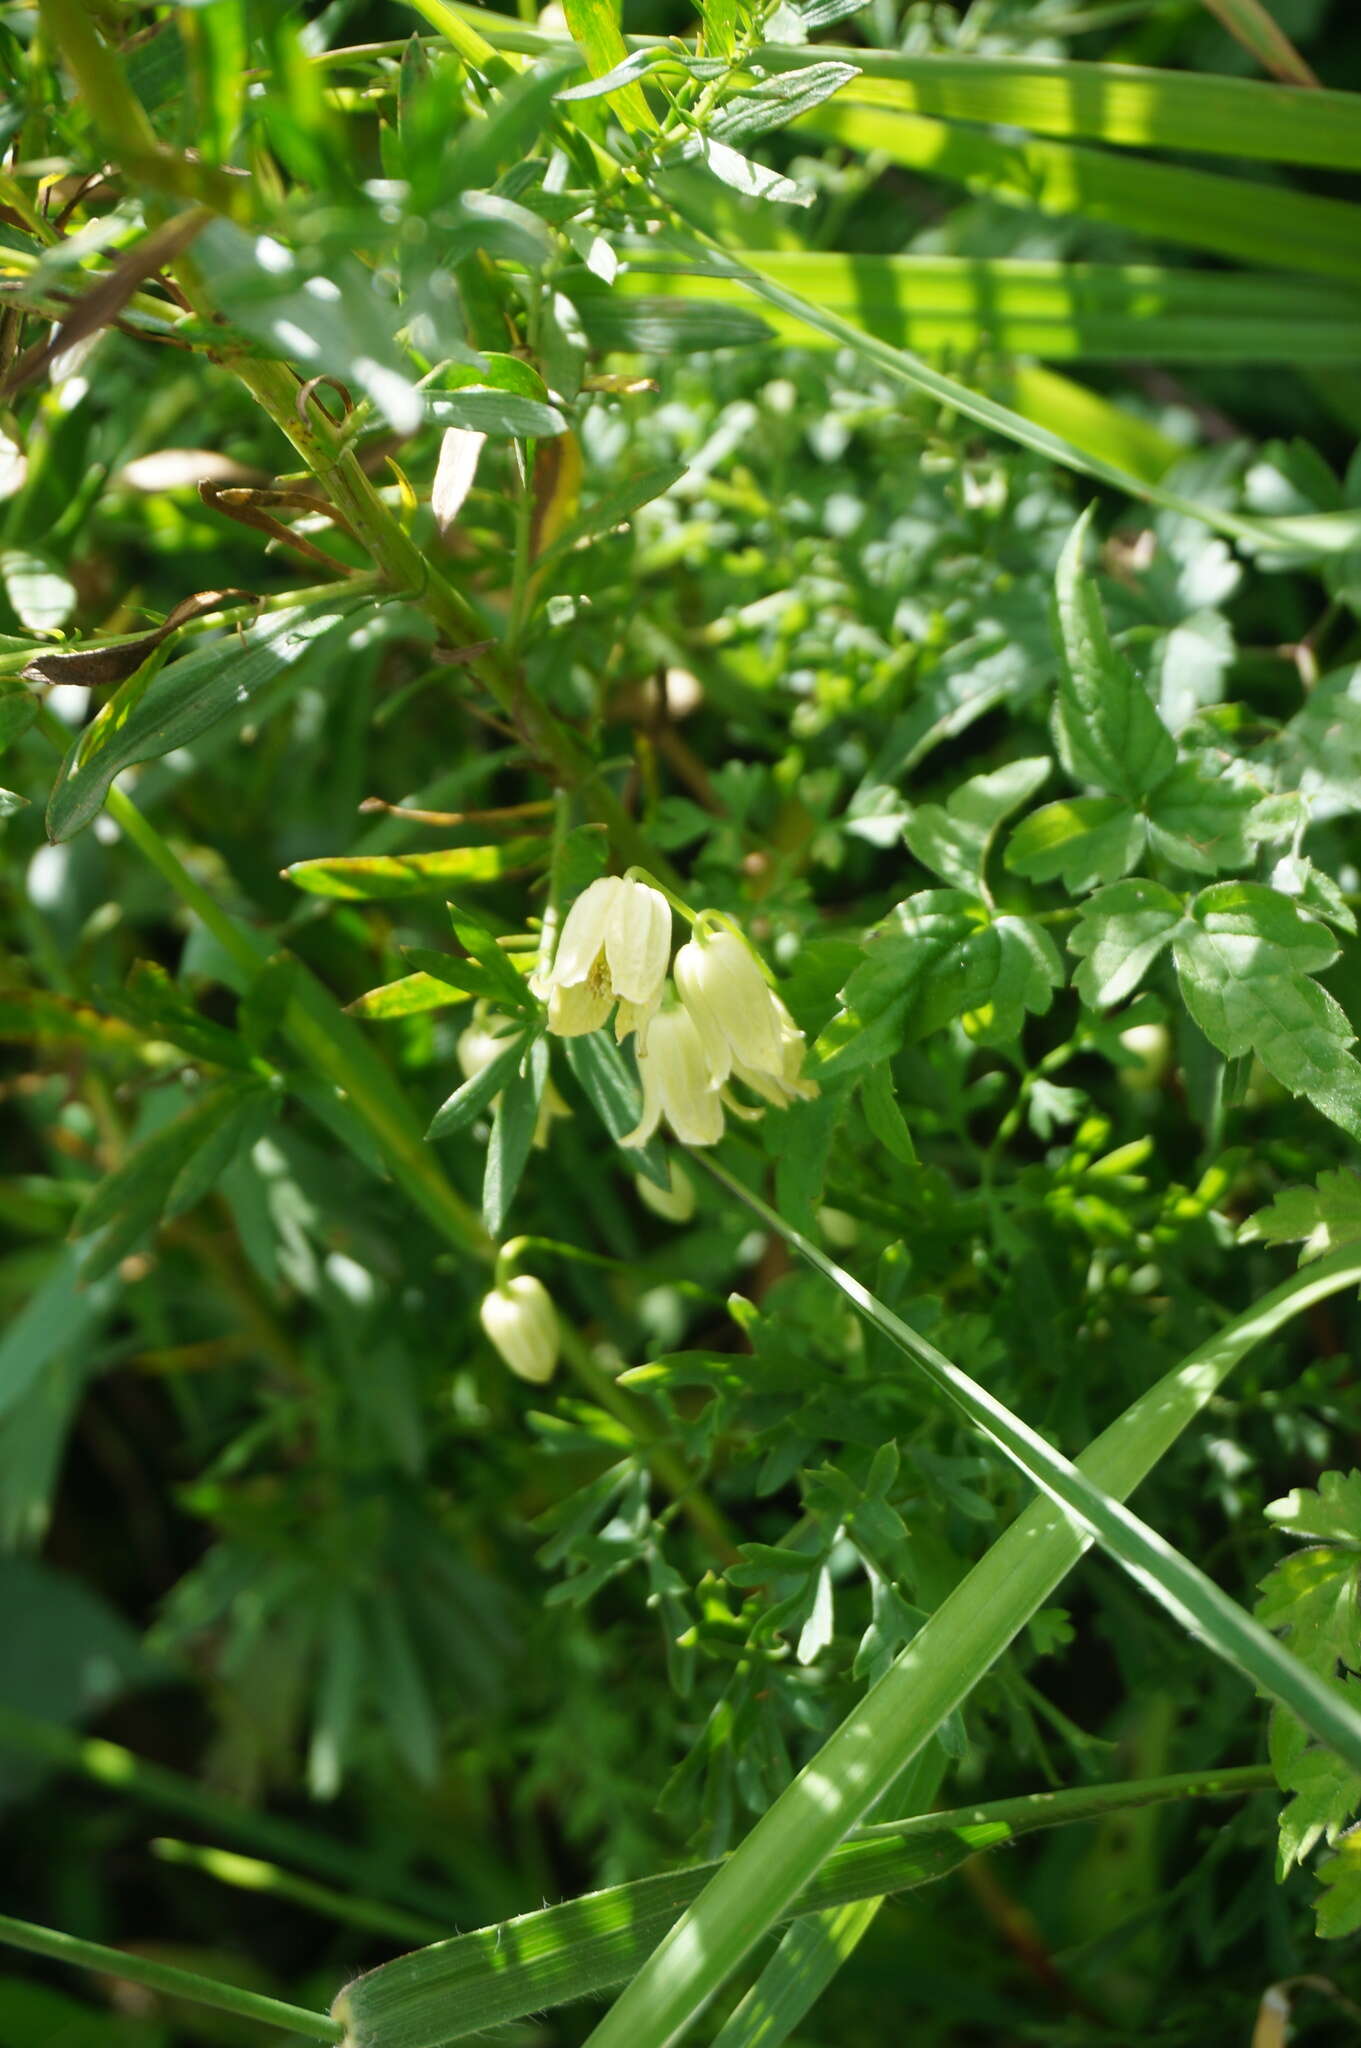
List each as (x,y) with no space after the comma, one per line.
(1245,955)
(1082,841)
(1318,1219)
(1109,733)
(1199,821)
(1332,1511)
(1119,935)
(953,839)
(942,955)
(1339,1910)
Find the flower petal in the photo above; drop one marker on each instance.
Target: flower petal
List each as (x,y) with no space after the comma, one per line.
(583,931)
(574,1011)
(638,942)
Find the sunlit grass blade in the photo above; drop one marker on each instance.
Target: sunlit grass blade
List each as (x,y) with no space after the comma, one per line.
(1126,105)
(1188,1594)
(250,1874)
(1132,106)
(1323,533)
(809,1956)
(1057,311)
(501,1973)
(928,1680)
(1086,419)
(120,1771)
(1267,226)
(165,1977)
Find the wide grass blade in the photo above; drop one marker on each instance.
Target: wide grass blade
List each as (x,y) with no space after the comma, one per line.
(1057,311)
(500,1973)
(1127,105)
(1308,535)
(1267,226)
(809,1956)
(929,1679)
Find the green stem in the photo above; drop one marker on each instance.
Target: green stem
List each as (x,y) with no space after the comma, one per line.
(135,1969)
(928,1681)
(679,1482)
(121,120)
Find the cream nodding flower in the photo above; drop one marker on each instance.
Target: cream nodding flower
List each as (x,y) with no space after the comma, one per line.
(678,1084)
(745,1029)
(522,1323)
(615,943)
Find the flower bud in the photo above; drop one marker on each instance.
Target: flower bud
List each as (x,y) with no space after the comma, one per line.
(745,1028)
(615,943)
(675,1203)
(678,1083)
(522,1323)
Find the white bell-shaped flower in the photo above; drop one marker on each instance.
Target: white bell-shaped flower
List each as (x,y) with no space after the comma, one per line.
(678,1083)
(746,1030)
(521,1321)
(615,943)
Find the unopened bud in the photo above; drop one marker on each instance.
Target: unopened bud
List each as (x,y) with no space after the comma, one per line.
(521,1321)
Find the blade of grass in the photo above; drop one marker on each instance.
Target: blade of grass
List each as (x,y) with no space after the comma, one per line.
(809,1956)
(1188,1594)
(503,1972)
(1267,226)
(1309,534)
(929,1679)
(1117,104)
(176,1983)
(1057,311)
(132,1777)
(1248,22)
(249,1874)
(1126,105)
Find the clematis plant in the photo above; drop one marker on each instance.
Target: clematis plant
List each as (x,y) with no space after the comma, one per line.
(745,1029)
(615,944)
(678,1083)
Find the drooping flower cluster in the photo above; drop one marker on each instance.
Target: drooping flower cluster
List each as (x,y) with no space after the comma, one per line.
(722,1022)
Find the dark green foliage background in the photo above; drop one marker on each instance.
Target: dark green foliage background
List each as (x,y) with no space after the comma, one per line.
(278,1519)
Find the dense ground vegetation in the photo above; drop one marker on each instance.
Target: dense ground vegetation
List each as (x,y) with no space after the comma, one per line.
(863,501)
